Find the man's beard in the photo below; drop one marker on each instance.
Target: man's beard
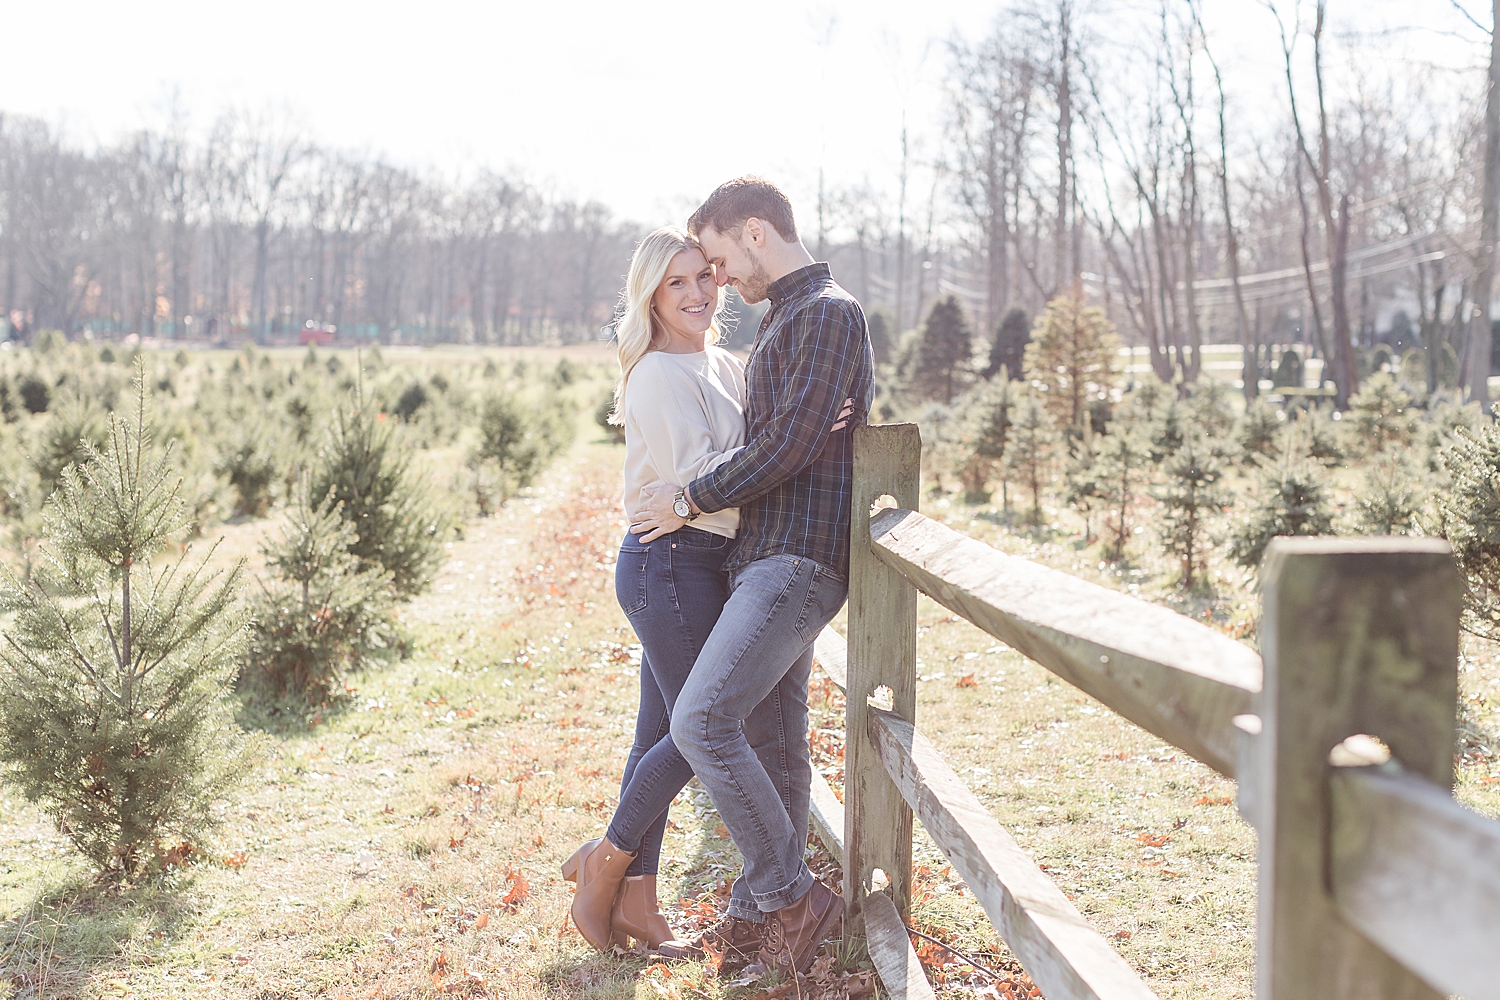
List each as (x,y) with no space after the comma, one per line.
(756,287)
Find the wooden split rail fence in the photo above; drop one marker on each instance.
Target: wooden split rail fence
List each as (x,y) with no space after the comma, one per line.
(1374,883)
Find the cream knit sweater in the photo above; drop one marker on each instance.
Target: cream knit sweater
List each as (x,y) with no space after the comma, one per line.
(684,416)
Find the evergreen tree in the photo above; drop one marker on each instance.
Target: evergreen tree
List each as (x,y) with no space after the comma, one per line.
(516,441)
(1008,349)
(996,405)
(1123,466)
(944,354)
(1032,443)
(1168,431)
(1293,500)
(1189,498)
(883,334)
(1086,488)
(1380,415)
(1469,518)
(369,475)
(1259,428)
(322,611)
(113,692)
(1288,370)
(1389,498)
(1072,355)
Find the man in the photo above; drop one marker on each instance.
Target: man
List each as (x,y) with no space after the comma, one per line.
(789,573)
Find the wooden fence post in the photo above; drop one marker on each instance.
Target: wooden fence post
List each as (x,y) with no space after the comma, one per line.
(882,651)
(1357,636)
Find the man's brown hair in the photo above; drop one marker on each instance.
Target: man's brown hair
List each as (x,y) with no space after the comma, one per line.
(743,198)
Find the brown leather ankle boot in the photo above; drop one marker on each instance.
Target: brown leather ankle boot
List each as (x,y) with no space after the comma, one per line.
(600,869)
(637,913)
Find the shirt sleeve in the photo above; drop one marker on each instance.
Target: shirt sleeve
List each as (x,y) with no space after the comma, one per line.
(662,402)
(827,347)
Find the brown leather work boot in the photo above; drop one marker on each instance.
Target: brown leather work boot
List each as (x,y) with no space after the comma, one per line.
(794,932)
(735,938)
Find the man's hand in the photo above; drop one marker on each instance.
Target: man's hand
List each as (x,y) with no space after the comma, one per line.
(657,518)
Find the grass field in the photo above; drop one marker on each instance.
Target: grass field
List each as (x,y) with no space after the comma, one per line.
(405,841)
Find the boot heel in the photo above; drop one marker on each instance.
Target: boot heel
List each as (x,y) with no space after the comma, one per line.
(570,866)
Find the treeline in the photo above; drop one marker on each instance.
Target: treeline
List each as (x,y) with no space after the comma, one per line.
(1083,149)
(253,231)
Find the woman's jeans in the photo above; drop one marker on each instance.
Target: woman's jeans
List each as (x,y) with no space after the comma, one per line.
(672,590)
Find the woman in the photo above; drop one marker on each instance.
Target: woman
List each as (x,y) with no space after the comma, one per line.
(680,399)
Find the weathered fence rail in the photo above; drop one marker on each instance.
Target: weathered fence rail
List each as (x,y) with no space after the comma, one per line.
(1374,883)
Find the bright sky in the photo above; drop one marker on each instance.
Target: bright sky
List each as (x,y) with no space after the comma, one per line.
(645,106)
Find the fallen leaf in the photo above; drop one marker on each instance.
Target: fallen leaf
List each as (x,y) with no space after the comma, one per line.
(1204,800)
(966,681)
(482,921)
(1152,840)
(237,859)
(520,889)
(721,831)
(1121,935)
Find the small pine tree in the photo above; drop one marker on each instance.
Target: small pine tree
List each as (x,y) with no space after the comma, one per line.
(1008,349)
(1189,498)
(1293,500)
(322,611)
(369,475)
(1072,356)
(1288,370)
(1032,443)
(516,441)
(1389,498)
(1380,415)
(1469,518)
(1086,488)
(1123,466)
(944,354)
(883,334)
(1259,429)
(986,413)
(1167,431)
(113,693)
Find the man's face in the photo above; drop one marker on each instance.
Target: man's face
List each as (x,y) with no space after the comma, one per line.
(736,258)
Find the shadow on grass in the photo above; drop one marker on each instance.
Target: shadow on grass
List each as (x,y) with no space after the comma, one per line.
(594,976)
(68,934)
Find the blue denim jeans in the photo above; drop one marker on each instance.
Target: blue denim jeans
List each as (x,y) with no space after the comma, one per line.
(760,652)
(672,590)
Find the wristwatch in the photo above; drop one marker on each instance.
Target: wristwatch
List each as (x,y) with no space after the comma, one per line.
(680,506)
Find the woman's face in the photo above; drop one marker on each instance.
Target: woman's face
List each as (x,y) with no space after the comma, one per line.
(685,299)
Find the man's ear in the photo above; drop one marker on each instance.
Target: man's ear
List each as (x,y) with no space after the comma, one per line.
(755,232)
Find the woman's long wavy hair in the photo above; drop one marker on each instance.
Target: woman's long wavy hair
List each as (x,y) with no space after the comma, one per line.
(637,329)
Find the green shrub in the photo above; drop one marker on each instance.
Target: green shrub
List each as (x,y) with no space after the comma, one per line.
(1259,428)
(1293,500)
(34,393)
(412,399)
(1390,498)
(113,693)
(1122,474)
(251,462)
(1469,518)
(1033,440)
(70,431)
(398,527)
(320,611)
(602,413)
(1190,497)
(517,439)
(1380,415)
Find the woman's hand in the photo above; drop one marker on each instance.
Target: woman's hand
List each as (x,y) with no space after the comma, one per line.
(657,518)
(844,415)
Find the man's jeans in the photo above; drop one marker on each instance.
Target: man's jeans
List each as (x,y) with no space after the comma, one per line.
(761,644)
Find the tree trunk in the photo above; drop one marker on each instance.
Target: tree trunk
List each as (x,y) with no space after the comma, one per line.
(1484,282)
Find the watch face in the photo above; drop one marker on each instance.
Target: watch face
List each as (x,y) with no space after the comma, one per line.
(681,508)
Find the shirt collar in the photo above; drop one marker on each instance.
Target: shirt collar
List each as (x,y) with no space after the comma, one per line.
(799,280)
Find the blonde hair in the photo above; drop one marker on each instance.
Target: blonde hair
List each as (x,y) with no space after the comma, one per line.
(638,331)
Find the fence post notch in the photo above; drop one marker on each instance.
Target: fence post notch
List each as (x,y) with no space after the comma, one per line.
(882,652)
(1357,636)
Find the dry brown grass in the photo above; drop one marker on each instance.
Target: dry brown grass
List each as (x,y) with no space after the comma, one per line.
(468,772)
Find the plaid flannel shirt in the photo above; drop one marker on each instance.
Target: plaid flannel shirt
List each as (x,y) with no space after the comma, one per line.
(794,479)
